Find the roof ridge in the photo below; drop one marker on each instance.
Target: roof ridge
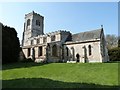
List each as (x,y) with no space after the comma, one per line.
(88,31)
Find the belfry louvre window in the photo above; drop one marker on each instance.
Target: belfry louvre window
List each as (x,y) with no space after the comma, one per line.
(28,22)
(38,22)
(89,47)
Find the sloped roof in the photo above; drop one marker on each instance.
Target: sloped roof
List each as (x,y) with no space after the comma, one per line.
(88,35)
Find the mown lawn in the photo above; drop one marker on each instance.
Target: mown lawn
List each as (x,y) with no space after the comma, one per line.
(60,75)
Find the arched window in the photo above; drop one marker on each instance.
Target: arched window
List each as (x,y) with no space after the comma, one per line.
(54,50)
(38,22)
(67,51)
(28,22)
(89,50)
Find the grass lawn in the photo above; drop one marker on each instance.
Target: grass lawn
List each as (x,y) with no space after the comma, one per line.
(58,75)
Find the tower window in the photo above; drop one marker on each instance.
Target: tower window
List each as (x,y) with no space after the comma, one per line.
(28,22)
(89,50)
(37,22)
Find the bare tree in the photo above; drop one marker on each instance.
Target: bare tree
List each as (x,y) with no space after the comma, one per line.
(112,41)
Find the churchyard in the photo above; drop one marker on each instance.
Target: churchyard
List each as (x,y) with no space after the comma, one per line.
(60,75)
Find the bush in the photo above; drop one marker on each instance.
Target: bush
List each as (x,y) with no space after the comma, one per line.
(114,54)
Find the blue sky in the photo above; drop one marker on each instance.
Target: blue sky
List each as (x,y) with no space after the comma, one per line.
(72,16)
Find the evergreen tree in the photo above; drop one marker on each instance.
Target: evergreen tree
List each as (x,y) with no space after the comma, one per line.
(10,45)
(119,41)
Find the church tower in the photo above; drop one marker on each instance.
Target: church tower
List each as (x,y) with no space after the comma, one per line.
(33,26)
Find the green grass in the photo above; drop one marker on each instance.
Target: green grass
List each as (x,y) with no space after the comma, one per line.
(31,75)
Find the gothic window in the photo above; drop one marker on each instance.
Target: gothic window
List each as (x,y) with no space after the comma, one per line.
(28,22)
(38,41)
(44,39)
(54,50)
(67,51)
(53,38)
(40,51)
(37,22)
(29,51)
(89,50)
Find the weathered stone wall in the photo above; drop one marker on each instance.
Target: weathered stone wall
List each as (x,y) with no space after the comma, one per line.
(79,48)
(51,57)
(32,30)
(60,37)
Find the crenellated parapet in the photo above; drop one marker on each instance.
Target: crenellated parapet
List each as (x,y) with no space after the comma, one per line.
(32,13)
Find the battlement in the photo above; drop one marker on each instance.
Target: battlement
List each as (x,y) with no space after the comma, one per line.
(33,13)
(57,32)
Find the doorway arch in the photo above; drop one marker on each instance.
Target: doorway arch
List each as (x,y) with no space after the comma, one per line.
(78,57)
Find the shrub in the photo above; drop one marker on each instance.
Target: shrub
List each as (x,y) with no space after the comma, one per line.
(114,54)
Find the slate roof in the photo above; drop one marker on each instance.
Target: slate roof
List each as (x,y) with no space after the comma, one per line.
(88,35)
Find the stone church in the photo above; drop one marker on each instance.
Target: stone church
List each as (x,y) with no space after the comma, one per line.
(61,45)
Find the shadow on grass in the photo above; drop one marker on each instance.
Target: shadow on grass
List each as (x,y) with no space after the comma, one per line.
(48,83)
(21,65)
